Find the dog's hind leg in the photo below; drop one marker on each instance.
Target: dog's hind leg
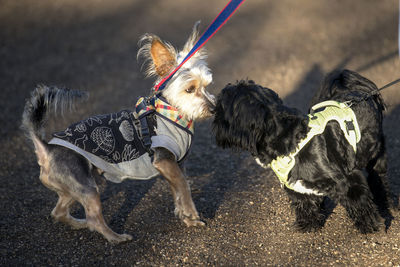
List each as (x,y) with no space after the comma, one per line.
(89,198)
(48,178)
(61,212)
(95,220)
(308,210)
(377,180)
(358,201)
(71,176)
(378,184)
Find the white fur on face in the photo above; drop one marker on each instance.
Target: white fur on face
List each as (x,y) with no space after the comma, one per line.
(194,105)
(186,91)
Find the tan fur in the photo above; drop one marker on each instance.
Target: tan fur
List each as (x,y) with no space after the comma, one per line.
(43,161)
(156,54)
(40,151)
(185,209)
(163,59)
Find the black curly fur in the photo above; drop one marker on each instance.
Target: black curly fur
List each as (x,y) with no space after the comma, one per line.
(250,117)
(253,118)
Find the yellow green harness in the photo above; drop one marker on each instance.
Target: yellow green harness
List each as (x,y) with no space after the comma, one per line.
(333,110)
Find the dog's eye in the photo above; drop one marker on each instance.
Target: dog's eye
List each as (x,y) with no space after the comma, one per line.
(190,89)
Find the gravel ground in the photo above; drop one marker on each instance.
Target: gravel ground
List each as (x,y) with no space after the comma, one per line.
(286,45)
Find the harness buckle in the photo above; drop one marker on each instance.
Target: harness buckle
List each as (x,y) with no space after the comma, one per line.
(348,103)
(289,159)
(144,132)
(350,126)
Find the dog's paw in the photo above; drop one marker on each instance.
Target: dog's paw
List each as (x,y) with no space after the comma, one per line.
(196,222)
(369,222)
(366,229)
(367,226)
(308,226)
(190,217)
(116,239)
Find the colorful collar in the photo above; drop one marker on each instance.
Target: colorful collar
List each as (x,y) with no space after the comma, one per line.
(161,106)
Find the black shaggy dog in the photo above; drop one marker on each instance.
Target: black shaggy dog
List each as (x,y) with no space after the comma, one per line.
(253,118)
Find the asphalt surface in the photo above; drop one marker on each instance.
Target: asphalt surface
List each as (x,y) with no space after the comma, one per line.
(91,45)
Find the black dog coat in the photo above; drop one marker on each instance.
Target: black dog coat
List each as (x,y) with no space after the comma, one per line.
(114,142)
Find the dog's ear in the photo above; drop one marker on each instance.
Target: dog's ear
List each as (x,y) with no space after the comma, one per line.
(193,38)
(159,56)
(164,58)
(240,117)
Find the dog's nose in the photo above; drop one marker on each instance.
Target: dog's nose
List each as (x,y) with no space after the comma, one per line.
(212,110)
(211,104)
(210,99)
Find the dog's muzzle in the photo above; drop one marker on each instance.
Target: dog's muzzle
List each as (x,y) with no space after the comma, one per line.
(210,100)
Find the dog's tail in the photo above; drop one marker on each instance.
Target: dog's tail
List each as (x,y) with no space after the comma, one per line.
(44,100)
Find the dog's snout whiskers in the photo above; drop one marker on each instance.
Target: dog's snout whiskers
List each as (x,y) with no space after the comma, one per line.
(210,100)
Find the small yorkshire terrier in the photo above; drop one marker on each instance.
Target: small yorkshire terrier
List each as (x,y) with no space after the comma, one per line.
(154,139)
(253,118)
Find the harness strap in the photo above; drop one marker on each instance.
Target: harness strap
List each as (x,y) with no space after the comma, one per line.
(145,125)
(160,105)
(342,113)
(319,116)
(147,108)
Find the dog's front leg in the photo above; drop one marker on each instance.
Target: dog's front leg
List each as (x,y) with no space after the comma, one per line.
(308,210)
(165,163)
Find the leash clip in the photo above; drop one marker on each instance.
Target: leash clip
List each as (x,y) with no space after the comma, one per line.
(348,103)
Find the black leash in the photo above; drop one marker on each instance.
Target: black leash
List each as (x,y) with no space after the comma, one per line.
(373,93)
(389,84)
(377,91)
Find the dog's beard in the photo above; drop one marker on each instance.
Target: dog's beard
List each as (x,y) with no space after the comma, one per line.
(195,108)
(198,104)
(238,129)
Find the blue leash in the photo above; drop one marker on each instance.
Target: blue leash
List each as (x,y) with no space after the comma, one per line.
(218,22)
